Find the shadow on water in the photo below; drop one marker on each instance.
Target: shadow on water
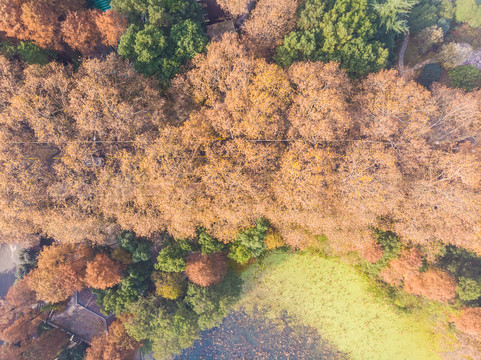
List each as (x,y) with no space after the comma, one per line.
(253,336)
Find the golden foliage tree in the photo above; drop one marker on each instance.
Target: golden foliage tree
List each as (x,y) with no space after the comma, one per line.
(105,100)
(268,23)
(235,139)
(319,111)
(168,285)
(234,7)
(394,109)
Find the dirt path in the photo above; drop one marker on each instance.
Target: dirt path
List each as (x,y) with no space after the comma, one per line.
(403,52)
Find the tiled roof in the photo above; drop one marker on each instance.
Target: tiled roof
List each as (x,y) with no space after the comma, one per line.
(83,317)
(102,4)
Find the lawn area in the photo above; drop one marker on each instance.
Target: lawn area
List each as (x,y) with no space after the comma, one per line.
(346,307)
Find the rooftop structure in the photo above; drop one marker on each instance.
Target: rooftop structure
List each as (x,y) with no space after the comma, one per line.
(82,318)
(102,4)
(215,31)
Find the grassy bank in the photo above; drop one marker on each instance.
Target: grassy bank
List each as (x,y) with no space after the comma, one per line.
(347,308)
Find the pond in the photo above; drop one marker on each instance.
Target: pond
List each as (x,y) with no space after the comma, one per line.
(244,335)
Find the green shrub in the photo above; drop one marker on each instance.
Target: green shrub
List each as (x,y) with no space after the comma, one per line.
(27,262)
(344,31)
(172,257)
(208,244)
(465,77)
(138,247)
(468,11)
(136,281)
(460,262)
(26,52)
(430,73)
(429,13)
(250,243)
(390,243)
(468,289)
(239,253)
(161,37)
(211,304)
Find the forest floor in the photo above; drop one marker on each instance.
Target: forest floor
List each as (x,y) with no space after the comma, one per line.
(350,311)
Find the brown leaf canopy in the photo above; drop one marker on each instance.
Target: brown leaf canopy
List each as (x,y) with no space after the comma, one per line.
(102,272)
(206,270)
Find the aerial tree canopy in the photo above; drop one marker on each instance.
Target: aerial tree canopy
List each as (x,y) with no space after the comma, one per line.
(102,272)
(60,271)
(343,31)
(206,270)
(52,24)
(162,36)
(117,344)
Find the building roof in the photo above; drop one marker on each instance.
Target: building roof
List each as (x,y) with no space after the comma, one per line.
(215,31)
(82,317)
(102,4)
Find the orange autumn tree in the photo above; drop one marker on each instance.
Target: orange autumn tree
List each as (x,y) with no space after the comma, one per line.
(18,318)
(8,352)
(60,271)
(404,267)
(469,322)
(371,251)
(116,345)
(111,26)
(41,23)
(80,31)
(393,109)
(37,21)
(21,295)
(102,272)
(206,270)
(10,21)
(24,327)
(433,284)
(47,346)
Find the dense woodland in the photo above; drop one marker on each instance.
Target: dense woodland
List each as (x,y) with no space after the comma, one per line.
(160,163)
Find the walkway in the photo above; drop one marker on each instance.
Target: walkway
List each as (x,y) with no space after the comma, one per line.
(403,52)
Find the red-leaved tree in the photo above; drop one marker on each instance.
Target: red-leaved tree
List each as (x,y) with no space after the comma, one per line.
(206,270)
